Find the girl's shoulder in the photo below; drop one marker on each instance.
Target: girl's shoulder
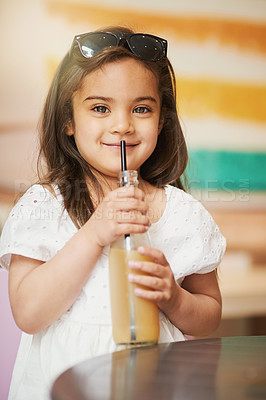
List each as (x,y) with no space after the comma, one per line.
(175,193)
(176,196)
(182,206)
(36,206)
(188,235)
(170,202)
(37,195)
(39,190)
(37,226)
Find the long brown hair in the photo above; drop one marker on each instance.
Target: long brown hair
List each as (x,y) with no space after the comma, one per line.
(65,167)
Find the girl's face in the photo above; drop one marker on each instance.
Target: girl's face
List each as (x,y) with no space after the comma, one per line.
(118,101)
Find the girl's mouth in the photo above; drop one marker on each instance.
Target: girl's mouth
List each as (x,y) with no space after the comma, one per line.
(117,145)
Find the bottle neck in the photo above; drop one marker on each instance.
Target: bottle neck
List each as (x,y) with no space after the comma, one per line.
(128,178)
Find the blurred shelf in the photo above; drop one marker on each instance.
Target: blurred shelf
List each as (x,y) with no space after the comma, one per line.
(243,292)
(244,230)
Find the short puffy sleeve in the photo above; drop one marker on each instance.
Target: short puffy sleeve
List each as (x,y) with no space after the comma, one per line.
(37,227)
(189,237)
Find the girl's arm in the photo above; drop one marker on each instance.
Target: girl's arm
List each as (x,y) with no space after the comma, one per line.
(200,305)
(195,308)
(40,292)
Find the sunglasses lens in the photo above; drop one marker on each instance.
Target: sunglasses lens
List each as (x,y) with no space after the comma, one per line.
(146,47)
(95,42)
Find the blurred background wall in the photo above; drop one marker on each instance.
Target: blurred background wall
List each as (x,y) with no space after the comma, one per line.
(218,50)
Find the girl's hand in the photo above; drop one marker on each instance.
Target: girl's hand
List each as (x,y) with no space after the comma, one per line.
(122,211)
(199,297)
(158,280)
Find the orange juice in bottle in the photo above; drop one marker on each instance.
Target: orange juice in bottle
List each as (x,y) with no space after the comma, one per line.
(134,320)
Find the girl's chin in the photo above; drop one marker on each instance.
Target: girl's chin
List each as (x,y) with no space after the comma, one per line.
(113,169)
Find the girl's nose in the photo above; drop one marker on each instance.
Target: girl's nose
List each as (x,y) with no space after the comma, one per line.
(121,124)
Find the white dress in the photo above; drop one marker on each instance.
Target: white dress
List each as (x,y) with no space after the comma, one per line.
(38,228)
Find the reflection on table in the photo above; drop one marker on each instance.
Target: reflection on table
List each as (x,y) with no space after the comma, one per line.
(227,368)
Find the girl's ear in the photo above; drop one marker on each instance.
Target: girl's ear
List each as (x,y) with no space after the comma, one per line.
(70,129)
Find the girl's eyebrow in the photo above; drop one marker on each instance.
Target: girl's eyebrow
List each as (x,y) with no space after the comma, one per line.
(110,99)
(145,98)
(99,98)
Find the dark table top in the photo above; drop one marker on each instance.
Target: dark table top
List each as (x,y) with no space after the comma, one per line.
(227,368)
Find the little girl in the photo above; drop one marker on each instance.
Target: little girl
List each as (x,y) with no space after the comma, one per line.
(111,86)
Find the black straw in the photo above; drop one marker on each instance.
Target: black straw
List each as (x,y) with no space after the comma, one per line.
(123,155)
(133,336)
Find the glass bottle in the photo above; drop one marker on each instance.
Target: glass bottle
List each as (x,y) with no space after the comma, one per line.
(134,320)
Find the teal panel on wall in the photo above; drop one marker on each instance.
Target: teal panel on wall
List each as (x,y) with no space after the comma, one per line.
(226,170)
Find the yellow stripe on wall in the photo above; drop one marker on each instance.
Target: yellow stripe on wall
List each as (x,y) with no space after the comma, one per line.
(205,97)
(242,34)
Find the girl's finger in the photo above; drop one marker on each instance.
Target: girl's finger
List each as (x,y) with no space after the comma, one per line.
(155,254)
(128,205)
(122,217)
(124,229)
(150,282)
(126,192)
(148,267)
(151,295)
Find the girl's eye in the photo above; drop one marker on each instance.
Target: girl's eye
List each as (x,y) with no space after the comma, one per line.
(141,110)
(101,109)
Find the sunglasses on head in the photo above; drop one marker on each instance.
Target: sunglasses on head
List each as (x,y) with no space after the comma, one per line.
(145,46)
